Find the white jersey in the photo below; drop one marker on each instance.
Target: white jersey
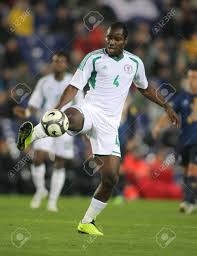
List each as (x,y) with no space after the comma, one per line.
(109,79)
(48,92)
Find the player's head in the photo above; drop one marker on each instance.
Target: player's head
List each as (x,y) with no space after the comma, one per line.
(59,62)
(192,77)
(116,38)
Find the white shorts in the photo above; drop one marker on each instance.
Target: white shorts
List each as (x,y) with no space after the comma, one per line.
(62,146)
(101,130)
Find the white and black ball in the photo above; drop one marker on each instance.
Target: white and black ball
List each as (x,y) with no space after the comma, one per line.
(55,123)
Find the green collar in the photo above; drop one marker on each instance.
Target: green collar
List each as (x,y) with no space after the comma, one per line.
(117,58)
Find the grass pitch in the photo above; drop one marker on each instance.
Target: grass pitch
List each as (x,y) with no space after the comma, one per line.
(135,228)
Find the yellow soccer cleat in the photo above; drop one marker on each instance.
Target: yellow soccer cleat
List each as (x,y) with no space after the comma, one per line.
(24,135)
(89,228)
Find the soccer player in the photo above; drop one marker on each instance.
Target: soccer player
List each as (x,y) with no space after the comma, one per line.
(185,104)
(45,96)
(109,73)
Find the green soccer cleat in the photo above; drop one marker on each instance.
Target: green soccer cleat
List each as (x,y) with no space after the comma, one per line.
(89,228)
(24,135)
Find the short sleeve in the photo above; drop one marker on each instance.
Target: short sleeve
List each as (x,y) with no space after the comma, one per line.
(83,73)
(140,79)
(37,96)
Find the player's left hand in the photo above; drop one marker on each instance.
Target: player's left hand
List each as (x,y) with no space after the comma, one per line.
(174,118)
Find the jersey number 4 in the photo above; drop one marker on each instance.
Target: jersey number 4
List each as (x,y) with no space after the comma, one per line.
(116,82)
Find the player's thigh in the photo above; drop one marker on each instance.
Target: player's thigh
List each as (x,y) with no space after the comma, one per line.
(59,162)
(76,119)
(39,157)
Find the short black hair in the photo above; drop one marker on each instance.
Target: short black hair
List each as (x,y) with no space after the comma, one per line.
(61,54)
(193,66)
(120,25)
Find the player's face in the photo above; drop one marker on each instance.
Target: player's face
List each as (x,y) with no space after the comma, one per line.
(59,64)
(192,79)
(115,41)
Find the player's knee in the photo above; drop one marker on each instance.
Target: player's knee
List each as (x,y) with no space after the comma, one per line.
(75,118)
(38,161)
(110,180)
(59,162)
(39,157)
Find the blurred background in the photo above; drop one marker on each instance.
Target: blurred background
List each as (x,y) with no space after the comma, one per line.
(162,33)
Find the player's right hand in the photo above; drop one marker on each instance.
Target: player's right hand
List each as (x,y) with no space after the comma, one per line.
(20,112)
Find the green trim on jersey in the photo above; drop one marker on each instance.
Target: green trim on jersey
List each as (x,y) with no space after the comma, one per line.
(85,59)
(116,58)
(116,152)
(137,63)
(92,79)
(117,142)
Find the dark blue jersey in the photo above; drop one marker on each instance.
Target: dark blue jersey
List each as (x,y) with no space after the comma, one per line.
(185,104)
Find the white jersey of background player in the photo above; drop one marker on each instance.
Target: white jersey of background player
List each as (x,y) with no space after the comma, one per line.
(44,97)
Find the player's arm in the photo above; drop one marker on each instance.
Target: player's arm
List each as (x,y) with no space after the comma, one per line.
(68,95)
(24,112)
(78,82)
(152,94)
(162,123)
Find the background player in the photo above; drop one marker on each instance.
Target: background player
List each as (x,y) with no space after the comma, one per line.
(45,96)
(185,104)
(110,73)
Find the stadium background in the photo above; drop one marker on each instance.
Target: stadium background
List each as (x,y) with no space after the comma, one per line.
(162,33)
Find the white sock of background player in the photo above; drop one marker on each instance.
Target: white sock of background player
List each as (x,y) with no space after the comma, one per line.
(57,183)
(38,177)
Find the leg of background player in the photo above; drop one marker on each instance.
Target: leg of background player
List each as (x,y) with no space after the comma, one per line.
(38,177)
(57,183)
(191,185)
(109,177)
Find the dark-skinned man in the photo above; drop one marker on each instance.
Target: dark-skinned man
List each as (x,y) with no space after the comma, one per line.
(109,73)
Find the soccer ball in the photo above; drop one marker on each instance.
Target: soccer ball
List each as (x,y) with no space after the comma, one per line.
(55,123)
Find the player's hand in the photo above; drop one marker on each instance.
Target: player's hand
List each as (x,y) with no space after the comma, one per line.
(155,132)
(174,118)
(20,112)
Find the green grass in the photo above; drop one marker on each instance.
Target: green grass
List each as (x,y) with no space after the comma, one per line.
(129,229)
